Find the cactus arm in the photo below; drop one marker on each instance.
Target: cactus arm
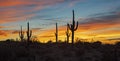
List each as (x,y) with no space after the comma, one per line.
(19,34)
(68,34)
(73,27)
(23,34)
(55,34)
(69,26)
(27,33)
(68,31)
(30,33)
(76,26)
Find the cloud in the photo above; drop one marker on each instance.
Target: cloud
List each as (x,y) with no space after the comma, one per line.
(33,30)
(71,4)
(114,39)
(21,9)
(36,30)
(47,36)
(2,27)
(3,33)
(7,3)
(16,32)
(100,22)
(6,32)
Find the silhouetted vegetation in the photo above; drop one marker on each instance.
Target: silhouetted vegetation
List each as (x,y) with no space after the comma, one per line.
(29,49)
(29,32)
(21,34)
(56,33)
(67,34)
(11,50)
(73,27)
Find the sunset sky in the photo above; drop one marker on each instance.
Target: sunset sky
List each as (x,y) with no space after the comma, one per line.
(98,19)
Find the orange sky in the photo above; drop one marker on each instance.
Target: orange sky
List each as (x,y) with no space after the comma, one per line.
(89,34)
(93,32)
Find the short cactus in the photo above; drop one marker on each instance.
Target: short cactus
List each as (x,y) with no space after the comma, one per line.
(21,34)
(67,34)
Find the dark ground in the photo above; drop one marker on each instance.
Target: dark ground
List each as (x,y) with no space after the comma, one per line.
(81,51)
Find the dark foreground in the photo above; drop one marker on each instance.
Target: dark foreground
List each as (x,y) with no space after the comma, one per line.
(22,51)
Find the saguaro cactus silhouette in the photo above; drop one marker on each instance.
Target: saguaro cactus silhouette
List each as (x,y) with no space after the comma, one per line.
(21,34)
(56,34)
(73,27)
(29,32)
(67,34)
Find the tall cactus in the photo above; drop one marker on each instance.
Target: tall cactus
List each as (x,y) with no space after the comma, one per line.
(21,34)
(29,32)
(67,34)
(56,34)
(73,27)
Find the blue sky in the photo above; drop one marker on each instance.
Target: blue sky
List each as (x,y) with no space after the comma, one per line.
(60,11)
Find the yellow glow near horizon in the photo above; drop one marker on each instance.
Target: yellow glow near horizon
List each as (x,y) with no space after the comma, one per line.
(49,35)
(82,34)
